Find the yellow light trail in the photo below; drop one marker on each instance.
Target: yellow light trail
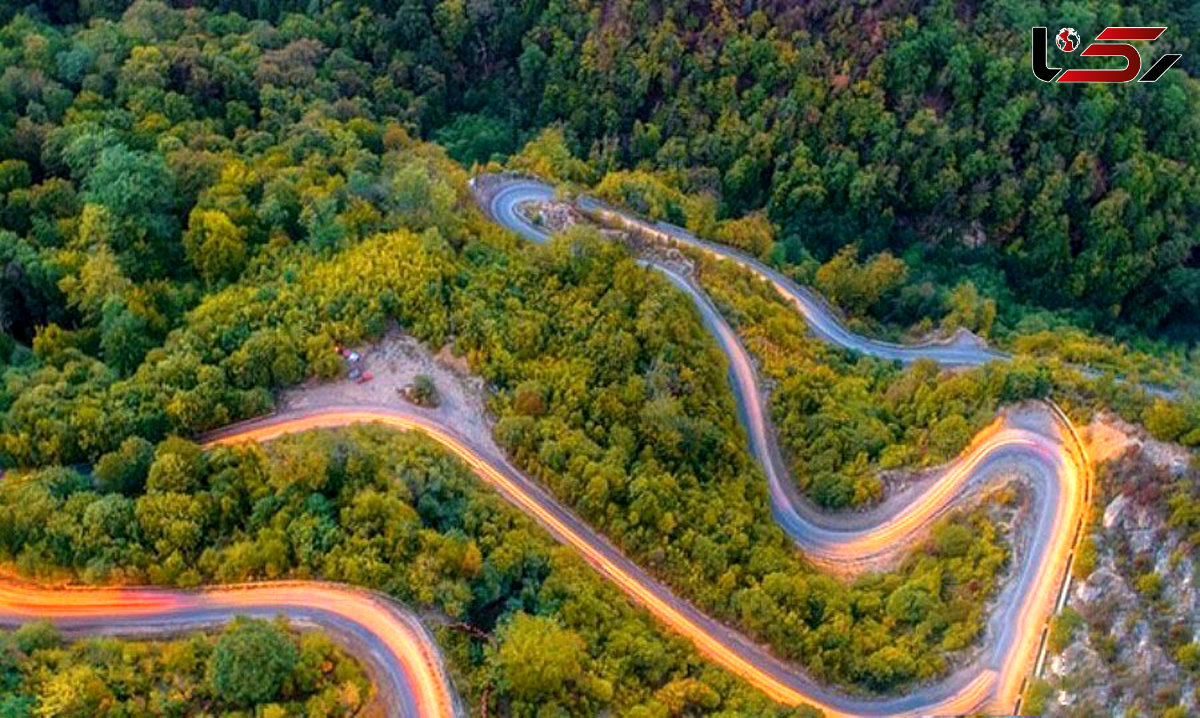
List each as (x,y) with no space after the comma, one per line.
(989,689)
(1001,687)
(424,680)
(993,688)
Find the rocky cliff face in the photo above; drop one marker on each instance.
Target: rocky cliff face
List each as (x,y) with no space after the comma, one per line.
(1129,647)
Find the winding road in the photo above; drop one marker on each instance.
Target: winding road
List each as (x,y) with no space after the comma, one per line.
(403,662)
(1039,446)
(1048,457)
(503,202)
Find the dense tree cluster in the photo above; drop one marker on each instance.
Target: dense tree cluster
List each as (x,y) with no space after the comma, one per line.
(377,509)
(845,419)
(392,512)
(292,674)
(198,206)
(165,156)
(910,127)
(145,161)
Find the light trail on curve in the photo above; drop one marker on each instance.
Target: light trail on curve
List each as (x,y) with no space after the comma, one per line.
(962,692)
(503,206)
(406,670)
(962,349)
(409,669)
(1050,461)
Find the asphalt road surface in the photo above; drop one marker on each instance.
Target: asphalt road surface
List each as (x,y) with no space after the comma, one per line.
(1045,454)
(398,653)
(405,663)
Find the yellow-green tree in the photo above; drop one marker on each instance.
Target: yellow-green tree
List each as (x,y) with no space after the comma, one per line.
(215,245)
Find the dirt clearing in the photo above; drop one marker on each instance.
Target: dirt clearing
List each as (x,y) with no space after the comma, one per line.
(393,362)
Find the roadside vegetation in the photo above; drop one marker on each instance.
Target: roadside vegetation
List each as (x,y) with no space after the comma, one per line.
(199,207)
(391,512)
(43,674)
(1127,636)
(885,295)
(844,418)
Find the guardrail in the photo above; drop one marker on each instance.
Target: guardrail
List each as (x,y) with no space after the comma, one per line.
(1064,589)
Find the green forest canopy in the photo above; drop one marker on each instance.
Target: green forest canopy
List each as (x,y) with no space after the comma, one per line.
(904,126)
(185,193)
(41,674)
(393,512)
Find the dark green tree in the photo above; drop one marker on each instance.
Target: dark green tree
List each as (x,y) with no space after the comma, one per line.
(125,469)
(251,661)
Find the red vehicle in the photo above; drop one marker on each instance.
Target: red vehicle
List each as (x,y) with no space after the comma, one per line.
(349,354)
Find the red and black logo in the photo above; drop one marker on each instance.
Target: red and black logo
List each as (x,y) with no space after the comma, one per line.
(1112,42)
(1067,39)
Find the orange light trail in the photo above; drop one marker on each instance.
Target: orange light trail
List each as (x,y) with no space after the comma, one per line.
(993,688)
(632,586)
(430,688)
(1000,686)
(1063,474)
(426,683)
